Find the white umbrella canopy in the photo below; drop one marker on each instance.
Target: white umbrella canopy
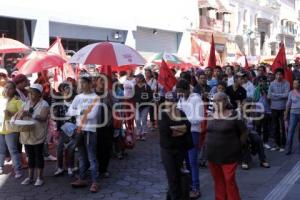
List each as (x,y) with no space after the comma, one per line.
(111,54)
(8,45)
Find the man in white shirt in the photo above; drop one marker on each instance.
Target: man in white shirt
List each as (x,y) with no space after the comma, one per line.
(192,105)
(85,108)
(248,86)
(230,75)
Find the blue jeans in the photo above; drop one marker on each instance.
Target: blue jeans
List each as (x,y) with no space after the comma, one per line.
(87,155)
(70,148)
(10,140)
(141,120)
(294,119)
(193,162)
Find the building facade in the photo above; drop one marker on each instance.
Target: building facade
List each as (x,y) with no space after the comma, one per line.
(148,26)
(214,18)
(253,27)
(260,25)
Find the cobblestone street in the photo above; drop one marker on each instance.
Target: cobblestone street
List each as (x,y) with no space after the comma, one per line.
(140,176)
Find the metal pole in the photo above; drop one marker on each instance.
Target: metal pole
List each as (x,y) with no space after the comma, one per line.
(249,43)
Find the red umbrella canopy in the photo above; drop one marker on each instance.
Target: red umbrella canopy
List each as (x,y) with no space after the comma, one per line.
(8,45)
(108,53)
(38,61)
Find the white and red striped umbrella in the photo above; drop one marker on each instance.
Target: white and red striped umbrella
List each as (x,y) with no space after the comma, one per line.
(8,45)
(108,54)
(38,61)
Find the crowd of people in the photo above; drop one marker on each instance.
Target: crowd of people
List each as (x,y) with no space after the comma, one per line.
(218,117)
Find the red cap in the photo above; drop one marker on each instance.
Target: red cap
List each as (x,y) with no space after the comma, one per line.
(19,78)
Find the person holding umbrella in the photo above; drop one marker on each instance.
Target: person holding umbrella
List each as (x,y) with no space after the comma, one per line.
(85,108)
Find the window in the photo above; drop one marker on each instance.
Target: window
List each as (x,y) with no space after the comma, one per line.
(255,20)
(245,16)
(219,16)
(73,44)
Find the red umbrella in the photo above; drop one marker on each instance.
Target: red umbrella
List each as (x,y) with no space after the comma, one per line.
(108,54)
(8,45)
(57,48)
(38,61)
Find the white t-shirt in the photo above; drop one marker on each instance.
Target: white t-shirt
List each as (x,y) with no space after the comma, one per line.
(129,87)
(249,87)
(152,84)
(193,109)
(230,81)
(80,103)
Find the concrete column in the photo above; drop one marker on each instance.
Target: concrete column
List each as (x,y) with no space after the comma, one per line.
(184,47)
(40,32)
(130,39)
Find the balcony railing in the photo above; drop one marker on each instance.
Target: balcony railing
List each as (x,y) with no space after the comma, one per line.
(268,3)
(288,31)
(214,24)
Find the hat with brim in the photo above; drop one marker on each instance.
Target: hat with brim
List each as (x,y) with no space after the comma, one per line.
(19,78)
(37,87)
(3,72)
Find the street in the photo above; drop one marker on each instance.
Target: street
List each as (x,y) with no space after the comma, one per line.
(140,176)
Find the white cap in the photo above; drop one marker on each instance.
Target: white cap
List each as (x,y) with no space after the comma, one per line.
(37,86)
(3,71)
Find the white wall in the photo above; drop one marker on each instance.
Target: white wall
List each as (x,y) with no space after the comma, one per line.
(173,15)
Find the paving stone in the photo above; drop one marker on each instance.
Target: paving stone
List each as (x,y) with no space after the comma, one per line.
(140,176)
(123,183)
(15,198)
(120,195)
(145,183)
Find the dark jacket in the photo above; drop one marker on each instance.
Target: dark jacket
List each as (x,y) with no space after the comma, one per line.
(59,113)
(167,141)
(223,140)
(236,95)
(142,94)
(105,109)
(202,89)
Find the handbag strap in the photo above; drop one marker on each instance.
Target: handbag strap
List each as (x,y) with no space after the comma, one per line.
(85,114)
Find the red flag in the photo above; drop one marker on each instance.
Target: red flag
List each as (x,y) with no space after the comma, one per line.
(166,77)
(197,50)
(288,75)
(55,79)
(280,61)
(212,62)
(68,71)
(246,67)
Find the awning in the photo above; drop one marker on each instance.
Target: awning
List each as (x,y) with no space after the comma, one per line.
(222,7)
(207,4)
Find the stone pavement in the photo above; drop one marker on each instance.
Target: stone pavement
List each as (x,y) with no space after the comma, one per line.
(140,176)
